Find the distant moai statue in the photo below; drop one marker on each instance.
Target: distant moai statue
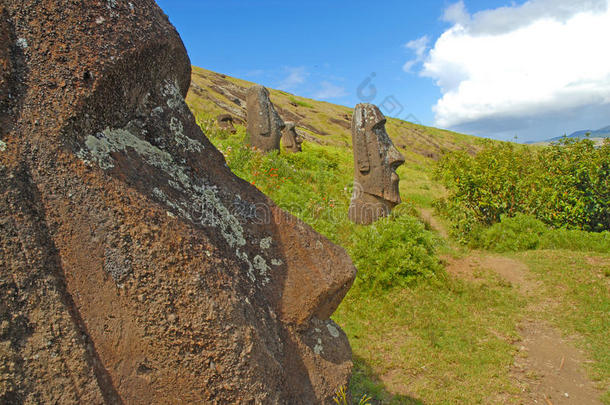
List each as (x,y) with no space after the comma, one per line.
(264,123)
(375,162)
(225,121)
(291,139)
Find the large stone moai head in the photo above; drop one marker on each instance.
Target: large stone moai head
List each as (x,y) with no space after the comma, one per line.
(291,139)
(135,267)
(375,162)
(264,123)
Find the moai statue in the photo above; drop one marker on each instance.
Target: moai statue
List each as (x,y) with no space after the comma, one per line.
(264,123)
(291,139)
(225,121)
(375,162)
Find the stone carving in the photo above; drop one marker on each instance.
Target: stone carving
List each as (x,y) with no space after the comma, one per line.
(225,121)
(291,139)
(375,162)
(264,123)
(135,268)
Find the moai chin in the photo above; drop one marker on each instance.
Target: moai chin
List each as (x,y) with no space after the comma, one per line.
(375,162)
(291,139)
(264,123)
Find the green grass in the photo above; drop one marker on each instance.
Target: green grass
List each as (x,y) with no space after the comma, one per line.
(579,284)
(442,342)
(300,103)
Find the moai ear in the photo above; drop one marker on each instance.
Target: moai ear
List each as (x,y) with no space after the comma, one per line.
(361,145)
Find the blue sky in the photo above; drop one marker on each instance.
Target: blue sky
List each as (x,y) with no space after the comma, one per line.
(327,49)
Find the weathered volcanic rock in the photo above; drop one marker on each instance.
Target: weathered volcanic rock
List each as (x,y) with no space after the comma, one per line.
(134,266)
(264,123)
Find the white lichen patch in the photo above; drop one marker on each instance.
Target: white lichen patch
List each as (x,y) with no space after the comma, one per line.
(276,262)
(177,129)
(334,332)
(260,264)
(184,194)
(22,43)
(171,92)
(266,243)
(318,348)
(2,146)
(100,20)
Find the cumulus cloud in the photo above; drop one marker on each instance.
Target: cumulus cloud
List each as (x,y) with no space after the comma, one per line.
(295,77)
(523,69)
(329,90)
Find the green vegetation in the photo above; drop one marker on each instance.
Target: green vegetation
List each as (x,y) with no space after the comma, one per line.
(420,334)
(300,103)
(422,330)
(315,186)
(565,185)
(524,232)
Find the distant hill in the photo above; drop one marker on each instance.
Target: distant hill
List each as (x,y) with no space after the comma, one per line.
(213,93)
(600,133)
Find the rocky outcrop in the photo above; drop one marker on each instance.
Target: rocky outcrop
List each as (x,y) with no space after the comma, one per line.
(376,159)
(264,123)
(134,266)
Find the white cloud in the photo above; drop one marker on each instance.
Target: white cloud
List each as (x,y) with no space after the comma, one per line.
(419,47)
(456,14)
(329,90)
(520,69)
(295,77)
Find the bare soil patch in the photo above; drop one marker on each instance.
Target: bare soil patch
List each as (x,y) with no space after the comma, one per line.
(548,368)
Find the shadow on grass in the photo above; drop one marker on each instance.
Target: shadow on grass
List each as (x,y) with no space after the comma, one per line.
(366,382)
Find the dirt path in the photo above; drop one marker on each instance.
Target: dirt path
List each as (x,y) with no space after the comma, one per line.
(427,217)
(548,368)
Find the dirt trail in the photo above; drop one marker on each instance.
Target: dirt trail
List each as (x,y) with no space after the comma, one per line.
(548,368)
(427,217)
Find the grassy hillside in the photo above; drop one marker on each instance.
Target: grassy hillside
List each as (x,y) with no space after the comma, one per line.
(429,321)
(325,123)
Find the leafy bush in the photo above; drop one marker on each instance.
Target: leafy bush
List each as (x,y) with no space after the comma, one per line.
(512,234)
(564,185)
(524,232)
(394,251)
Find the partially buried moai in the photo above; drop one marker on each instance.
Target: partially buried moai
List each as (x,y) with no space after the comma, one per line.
(375,162)
(264,123)
(291,139)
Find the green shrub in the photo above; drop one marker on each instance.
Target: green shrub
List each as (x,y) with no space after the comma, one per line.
(394,251)
(512,234)
(566,184)
(524,232)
